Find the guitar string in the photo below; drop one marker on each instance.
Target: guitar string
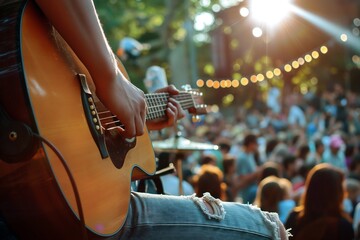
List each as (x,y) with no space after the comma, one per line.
(151,98)
(153,114)
(151,108)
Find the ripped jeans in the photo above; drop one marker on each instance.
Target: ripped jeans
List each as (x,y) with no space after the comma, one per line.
(153,216)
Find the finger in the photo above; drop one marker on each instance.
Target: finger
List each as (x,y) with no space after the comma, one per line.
(180,113)
(139,126)
(129,131)
(171,89)
(171,114)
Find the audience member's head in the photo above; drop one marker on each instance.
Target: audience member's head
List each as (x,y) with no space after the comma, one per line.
(289,166)
(208,159)
(269,194)
(270,146)
(210,179)
(319,146)
(336,143)
(250,142)
(270,169)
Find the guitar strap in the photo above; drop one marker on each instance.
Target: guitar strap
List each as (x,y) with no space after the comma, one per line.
(17,142)
(156,180)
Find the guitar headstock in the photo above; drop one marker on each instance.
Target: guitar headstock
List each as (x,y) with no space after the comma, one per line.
(197,104)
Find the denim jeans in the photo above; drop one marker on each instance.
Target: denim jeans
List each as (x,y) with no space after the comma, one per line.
(154,216)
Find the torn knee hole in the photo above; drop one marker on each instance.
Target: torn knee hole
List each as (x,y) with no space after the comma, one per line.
(210,206)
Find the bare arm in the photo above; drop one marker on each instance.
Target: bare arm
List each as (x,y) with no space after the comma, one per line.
(78,24)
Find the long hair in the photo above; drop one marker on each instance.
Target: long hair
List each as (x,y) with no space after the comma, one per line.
(324,194)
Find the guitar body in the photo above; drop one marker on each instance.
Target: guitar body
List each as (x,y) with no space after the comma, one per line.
(43,91)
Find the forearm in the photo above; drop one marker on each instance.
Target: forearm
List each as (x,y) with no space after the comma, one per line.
(78,24)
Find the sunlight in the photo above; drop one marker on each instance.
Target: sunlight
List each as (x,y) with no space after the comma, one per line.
(270,12)
(336,31)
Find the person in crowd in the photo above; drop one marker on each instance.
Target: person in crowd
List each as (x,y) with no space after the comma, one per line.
(210,179)
(274,195)
(269,194)
(289,170)
(247,170)
(302,155)
(334,154)
(229,177)
(78,24)
(287,204)
(316,156)
(320,214)
(354,168)
(296,115)
(349,154)
(352,187)
(281,149)
(270,169)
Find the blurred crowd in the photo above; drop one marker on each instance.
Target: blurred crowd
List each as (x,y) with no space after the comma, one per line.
(298,156)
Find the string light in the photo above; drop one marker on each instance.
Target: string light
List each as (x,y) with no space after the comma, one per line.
(301,61)
(260,77)
(244,81)
(223,83)
(209,83)
(308,58)
(277,72)
(253,79)
(287,68)
(200,83)
(227,83)
(269,74)
(323,49)
(315,54)
(235,83)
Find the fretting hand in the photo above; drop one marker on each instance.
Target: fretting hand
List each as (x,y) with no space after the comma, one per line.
(174,111)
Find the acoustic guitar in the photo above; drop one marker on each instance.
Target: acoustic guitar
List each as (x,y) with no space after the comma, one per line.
(46,97)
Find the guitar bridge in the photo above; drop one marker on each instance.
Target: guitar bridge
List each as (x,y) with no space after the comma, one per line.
(92,116)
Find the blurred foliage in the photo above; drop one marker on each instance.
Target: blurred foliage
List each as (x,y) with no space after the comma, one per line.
(164,25)
(157,23)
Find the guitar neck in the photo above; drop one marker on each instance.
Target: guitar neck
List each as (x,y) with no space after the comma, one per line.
(156,107)
(157,102)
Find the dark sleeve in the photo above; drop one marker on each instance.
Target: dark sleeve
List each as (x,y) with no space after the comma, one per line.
(346,230)
(291,222)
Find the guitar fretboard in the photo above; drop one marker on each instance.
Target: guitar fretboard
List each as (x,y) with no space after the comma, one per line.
(157,102)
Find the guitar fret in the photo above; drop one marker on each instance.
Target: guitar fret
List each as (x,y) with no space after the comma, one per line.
(157,102)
